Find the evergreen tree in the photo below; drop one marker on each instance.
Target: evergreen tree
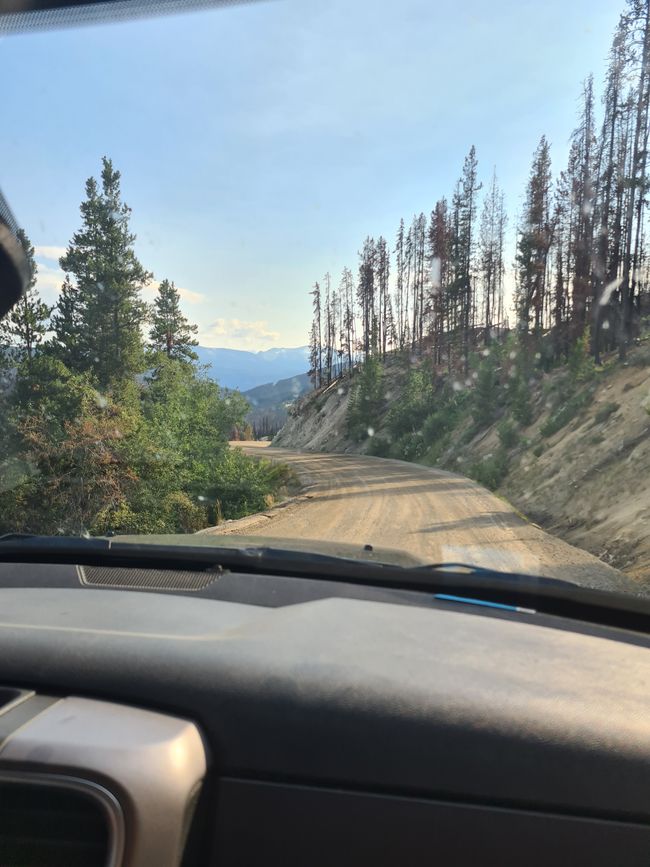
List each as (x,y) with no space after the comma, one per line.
(535,236)
(582,171)
(106,313)
(330,329)
(171,332)
(400,290)
(438,255)
(346,292)
(366,296)
(382,273)
(67,327)
(491,265)
(470,187)
(25,326)
(316,339)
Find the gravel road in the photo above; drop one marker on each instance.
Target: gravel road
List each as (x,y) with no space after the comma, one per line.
(432,514)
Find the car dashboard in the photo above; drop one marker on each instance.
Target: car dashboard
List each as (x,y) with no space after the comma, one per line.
(162,717)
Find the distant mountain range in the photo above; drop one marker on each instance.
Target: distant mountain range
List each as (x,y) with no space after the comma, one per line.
(236,368)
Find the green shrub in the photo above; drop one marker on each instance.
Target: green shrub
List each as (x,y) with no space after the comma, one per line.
(605,411)
(414,404)
(440,422)
(565,413)
(485,397)
(581,363)
(492,470)
(519,400)
(436,450)
(409,447)
(538,450)
(508,434)
(379,447)
(366,400)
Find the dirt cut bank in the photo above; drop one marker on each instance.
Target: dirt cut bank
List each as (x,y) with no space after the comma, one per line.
(578,463)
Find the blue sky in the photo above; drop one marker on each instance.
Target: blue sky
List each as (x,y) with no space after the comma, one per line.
(259,144)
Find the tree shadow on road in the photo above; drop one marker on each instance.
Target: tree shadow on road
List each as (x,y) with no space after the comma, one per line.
(494,520)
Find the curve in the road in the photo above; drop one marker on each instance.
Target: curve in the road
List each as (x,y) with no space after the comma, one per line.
(434,515)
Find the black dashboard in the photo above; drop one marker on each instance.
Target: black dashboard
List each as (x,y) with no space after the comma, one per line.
(346,725)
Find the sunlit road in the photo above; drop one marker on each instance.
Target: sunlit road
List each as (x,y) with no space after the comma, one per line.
(434,515)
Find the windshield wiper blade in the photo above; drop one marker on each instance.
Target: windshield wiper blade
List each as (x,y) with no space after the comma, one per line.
(12,537)
(546,595)
(471,569)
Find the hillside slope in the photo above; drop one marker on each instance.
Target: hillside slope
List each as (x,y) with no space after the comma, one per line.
(579,465)
(269,402)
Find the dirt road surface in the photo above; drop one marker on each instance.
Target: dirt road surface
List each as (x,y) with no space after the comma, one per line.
(432,514)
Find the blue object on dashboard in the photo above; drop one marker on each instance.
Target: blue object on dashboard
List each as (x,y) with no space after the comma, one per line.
(448,598)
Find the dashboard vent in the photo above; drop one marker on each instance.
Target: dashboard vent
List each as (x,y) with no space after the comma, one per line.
(51,826)
(145,579)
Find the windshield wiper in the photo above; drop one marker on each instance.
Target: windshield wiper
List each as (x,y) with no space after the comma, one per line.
(470,569)
(547,595)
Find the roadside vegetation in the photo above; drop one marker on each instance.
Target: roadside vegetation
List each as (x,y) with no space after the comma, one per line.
(418,413)
(107,424)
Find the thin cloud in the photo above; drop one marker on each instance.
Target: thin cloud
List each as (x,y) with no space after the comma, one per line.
(188,295)
(50,253)
(238,334)
(48,282)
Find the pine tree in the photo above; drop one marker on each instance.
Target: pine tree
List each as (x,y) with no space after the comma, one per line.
(607,253)
(582,170)
(67,327)
(346,291)
(563,214)
(366,296)
(637,22)
(108,278)
(316,339)
(417,251)
(26,324)
(470,187)
(535,236)
(400,289)
(439,266)
(171,332)
(330,329)
(490,256)
(382,274)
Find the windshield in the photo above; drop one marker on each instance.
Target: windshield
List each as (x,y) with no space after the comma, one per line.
(365,274)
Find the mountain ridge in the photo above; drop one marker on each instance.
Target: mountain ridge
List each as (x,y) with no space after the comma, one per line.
(242,369)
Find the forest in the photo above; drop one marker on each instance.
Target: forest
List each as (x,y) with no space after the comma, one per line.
(443,290)
(107,424)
